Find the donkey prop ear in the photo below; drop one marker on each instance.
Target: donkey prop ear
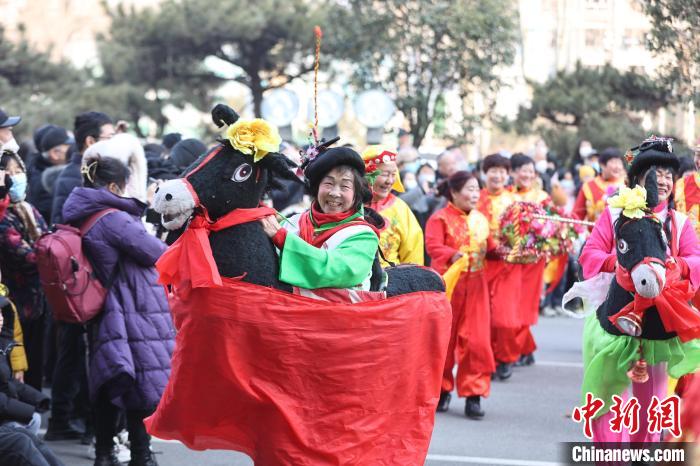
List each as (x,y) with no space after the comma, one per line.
(223,115)
(280,167)
(652,188)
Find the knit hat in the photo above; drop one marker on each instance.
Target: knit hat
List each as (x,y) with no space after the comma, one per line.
(374,156)
(653,151)
(316,168)
(170,139)
(39,133)
(54,137)
(186,151)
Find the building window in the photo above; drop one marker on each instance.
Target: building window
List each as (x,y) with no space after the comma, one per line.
(595,38)
(597,4)
(633,38)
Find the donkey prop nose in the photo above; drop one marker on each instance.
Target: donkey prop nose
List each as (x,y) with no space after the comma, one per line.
(174,202)
(649,279)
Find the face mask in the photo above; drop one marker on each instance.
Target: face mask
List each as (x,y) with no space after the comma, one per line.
(18,190)
(10,145)
(429,179)
(596,167)
(411,166)
(541,166)
(567,185)
(410,184)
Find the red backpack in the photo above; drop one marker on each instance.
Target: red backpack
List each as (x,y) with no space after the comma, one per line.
(72,289)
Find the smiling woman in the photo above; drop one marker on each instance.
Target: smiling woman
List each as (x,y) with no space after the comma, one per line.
(653,252)
(401,241)
(331,245)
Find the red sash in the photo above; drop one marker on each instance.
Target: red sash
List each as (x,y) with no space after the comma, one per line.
(307,229)
(190,261)
(672,304)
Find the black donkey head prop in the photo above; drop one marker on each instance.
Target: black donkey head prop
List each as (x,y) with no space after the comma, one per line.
(221,180)
(641,246)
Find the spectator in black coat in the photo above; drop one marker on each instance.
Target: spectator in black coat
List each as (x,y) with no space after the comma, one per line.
(44,168)
(89,127)
(20,404)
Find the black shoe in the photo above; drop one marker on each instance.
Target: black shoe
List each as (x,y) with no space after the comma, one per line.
(504,371)
(61,430)
(106,459)
(444,403)
(472,408)
(525,360)
(146,458)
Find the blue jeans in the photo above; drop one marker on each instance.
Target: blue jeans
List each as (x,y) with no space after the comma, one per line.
(32,427)
(19,447)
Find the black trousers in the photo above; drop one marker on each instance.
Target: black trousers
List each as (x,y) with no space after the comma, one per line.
(35,336)
(19,447)
(69,377)
(106,417)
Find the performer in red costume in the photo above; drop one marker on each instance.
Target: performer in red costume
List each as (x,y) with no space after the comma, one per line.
(525,190)
(504,279)
(456,240)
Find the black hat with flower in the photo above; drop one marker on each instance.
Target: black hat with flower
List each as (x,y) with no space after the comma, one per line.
(652,152)
(320,159)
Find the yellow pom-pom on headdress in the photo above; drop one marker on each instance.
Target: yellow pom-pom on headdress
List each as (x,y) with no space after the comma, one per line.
(254,137)
(633,202)
(376,155)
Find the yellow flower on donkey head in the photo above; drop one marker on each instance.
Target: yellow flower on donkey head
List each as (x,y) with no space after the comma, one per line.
(254,137)
(631,201)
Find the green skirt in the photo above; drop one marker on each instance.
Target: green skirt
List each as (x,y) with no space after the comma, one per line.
(607,358)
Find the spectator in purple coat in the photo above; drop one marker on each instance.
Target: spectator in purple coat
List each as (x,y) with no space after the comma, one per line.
(132,340)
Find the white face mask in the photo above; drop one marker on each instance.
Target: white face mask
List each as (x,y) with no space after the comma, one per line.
(18,190)
(410,184)
(426,179)
(10,145)
(541,166)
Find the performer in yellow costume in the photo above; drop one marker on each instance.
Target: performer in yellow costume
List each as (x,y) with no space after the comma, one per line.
(687,195)
(592,198)
(401,239)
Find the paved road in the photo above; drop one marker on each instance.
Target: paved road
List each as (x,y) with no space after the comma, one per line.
(526,416)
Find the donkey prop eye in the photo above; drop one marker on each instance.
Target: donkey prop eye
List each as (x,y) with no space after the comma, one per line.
(242,173)
(622,246)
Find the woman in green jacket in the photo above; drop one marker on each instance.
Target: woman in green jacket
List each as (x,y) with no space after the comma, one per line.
(331,245)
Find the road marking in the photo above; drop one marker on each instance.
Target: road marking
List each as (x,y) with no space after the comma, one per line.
(578,365)
(479,460)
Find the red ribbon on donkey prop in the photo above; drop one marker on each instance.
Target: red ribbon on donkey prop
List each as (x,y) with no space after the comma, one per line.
(677,315)
(189,262)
